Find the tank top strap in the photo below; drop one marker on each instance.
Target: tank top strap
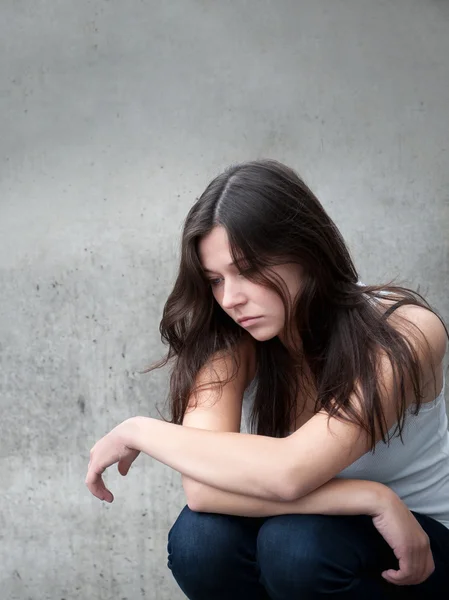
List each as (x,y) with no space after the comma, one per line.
(393,307)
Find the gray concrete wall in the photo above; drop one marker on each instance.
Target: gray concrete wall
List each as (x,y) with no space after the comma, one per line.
(114,116)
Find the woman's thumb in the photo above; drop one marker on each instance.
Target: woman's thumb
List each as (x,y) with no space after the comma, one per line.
(123,466)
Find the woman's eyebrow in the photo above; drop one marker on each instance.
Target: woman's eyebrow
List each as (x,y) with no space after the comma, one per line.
(232,264)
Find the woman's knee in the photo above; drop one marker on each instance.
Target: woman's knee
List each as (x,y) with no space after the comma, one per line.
(203,543)
(290,546)
(307,552)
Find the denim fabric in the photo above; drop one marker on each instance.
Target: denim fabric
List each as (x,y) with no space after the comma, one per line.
(288,557)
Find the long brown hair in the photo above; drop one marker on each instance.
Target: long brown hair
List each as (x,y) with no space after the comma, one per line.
(270,216)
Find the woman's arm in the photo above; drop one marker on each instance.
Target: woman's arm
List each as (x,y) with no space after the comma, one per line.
(336,497)
(280,469)
(240,463)
(390,515)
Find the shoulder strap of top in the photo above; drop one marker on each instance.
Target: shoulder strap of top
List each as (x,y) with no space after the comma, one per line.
(393,307)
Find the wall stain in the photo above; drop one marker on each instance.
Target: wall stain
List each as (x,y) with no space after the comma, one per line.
(81,404)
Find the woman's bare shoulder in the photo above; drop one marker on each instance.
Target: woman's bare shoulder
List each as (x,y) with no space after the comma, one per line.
(425,331)
(409,319)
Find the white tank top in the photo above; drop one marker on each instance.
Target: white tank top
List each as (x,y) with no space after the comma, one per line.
(417,469)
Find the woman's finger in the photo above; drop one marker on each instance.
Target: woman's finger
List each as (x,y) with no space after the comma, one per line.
(124,464)
(96,486)
(407,576)
(397,577)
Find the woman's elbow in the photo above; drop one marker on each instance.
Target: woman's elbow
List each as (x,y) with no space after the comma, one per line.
(289,490)
(193,491)
(290,494)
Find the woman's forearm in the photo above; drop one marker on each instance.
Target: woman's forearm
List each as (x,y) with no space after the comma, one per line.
(336,497)
(235,462)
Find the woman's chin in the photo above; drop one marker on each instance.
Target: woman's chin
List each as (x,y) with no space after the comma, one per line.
(263,335)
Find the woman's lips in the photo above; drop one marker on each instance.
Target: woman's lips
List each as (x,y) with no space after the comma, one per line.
(249,321)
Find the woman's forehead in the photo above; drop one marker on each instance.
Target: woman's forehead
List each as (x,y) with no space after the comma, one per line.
(214,250)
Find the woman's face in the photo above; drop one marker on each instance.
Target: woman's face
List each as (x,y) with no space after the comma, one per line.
(238,296)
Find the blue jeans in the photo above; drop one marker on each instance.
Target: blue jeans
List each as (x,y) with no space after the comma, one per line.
(289,557)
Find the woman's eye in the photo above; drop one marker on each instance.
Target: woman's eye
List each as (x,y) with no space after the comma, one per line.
(242,273)
(214,282)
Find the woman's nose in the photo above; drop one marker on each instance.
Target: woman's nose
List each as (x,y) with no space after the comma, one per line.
(232,296)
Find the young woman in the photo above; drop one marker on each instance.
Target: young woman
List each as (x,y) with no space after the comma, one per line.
(342,485)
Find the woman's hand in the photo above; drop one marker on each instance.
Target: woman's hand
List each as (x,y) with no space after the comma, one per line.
(408,540)
(110,449)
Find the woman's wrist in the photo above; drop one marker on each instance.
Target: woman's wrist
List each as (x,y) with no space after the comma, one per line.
(382,497)
(132,431)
